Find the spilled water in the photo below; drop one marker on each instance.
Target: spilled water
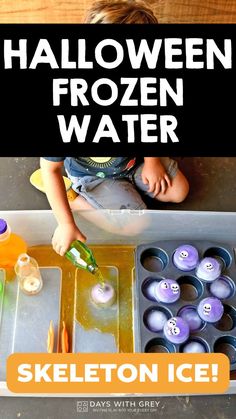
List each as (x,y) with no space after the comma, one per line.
(116,264)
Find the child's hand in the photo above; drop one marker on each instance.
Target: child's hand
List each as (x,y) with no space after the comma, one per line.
(155,176)
(64,235)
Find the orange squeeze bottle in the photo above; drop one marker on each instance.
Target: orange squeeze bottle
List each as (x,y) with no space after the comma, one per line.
(11,245)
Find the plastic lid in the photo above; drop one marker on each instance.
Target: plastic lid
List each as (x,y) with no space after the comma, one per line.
(3,226)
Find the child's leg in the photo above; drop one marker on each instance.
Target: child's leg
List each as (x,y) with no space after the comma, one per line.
(115,194)
(179,188)
(79,203)
(108,193)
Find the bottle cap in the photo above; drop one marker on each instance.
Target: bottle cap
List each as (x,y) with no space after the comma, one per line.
(92,268)
(3,226)
(23,259)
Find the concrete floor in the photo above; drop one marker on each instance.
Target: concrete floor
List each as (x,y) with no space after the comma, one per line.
(212,188)
(212,184)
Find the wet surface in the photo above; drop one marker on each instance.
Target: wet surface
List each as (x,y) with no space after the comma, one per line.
(120,259)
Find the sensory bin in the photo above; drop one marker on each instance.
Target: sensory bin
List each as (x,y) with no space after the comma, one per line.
(160,325)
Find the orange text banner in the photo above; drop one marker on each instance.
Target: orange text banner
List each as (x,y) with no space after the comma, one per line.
(118,373)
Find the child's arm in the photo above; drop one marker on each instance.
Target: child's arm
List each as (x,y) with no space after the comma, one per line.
(67,231)
(155,176)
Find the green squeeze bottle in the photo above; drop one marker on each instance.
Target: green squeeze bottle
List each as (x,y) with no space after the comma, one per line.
(82,257)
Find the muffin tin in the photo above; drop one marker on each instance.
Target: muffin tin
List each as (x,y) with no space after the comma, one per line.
(154,262)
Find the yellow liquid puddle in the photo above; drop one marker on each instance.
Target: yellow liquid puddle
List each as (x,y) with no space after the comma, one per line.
(90,315)
(120,324)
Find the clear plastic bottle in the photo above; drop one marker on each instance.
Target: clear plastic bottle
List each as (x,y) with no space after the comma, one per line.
(28,273)
(11,245)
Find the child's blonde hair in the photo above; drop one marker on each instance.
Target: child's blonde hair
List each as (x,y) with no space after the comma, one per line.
(120,11)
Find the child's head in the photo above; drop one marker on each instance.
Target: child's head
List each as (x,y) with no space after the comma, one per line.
(120,11)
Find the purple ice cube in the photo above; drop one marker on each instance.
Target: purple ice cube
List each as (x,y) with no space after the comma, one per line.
(194,347)
(167,291)
(210,309)
(208,269)
(149,290)
(191,316)
(221,288)
(186,257)
(176,330)
(155,320)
